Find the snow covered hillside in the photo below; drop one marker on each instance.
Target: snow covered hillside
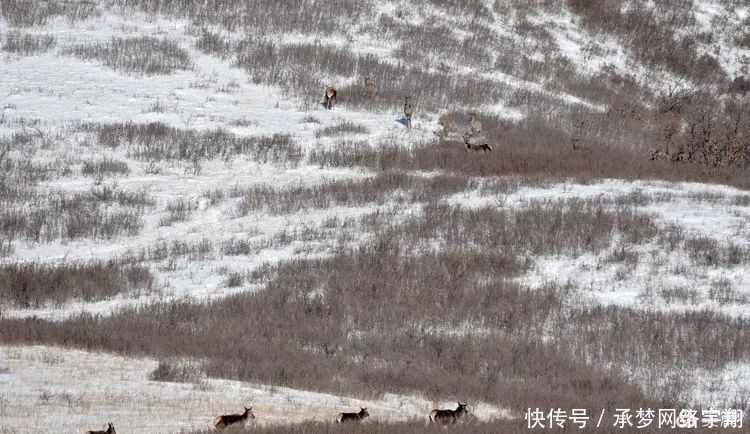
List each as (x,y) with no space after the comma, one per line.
(170,179)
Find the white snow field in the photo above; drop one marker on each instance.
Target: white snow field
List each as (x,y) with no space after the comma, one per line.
(52,94)
(73,391)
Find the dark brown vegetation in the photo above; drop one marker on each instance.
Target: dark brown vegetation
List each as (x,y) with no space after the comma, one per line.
(157,142)
(27,13)
(395,315)
(135,55)
(33,284)
(26,44)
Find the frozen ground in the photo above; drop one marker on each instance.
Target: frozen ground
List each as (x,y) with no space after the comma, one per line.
(719,213)
(73,391)
(51,92)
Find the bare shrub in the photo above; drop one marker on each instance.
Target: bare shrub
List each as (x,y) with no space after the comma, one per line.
(345,127)
(722,292)
(26,13)
(80,215)
(35,284)
(377,189)
(177,371)
(234,279)
(178,210)
(237,247)
(395,314)
(157,141)
(26,44)
(652,34)
(104,167)
(135,55)
(213,43)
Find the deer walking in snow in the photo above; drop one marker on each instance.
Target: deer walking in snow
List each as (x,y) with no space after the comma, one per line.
(475,124)
(447,126)
(226,420)
(329,99)
(471,144)
(448,417)
(370,88)
(408,111)
(110,430)
(352,417)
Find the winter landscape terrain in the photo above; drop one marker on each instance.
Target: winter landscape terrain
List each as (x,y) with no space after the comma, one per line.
(186,230)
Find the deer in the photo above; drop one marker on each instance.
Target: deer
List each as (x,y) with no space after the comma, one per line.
(110,430)
(352,417)
(470,145)
(329,99)
(448,126)
(475,124)
(370,88)
(226,420)
(408,111)
(448,417)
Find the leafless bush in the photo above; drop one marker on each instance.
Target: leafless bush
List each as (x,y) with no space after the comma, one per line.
(81,215)
(141,55)
(345,127)
(177,371)
(104,166)
(428,303)
(652,34)
(28,13)
(264,16)
(178,210)
(213,43)
(707,251)
(157,141)
(26,44)
(533,147)
(655,339)
(237,247)
(721,291)
(366,191)
(234,279)
(34,284)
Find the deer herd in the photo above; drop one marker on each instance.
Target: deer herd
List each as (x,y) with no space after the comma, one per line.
(438,416)
(473,139)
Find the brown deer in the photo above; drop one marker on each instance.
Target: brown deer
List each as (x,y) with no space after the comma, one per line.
(352,417)
(447,126)
(110,430)
(226,420)
(408,111)
(475,124)
(370,88)
(471,145)
(329,99)
(448,417)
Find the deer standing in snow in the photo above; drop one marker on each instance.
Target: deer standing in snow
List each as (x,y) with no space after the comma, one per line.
(408,111)
(226,420)
(448,417)
(110,430)
(470,144)
(329,99)
(475,124)
(352,417)
(370,88)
